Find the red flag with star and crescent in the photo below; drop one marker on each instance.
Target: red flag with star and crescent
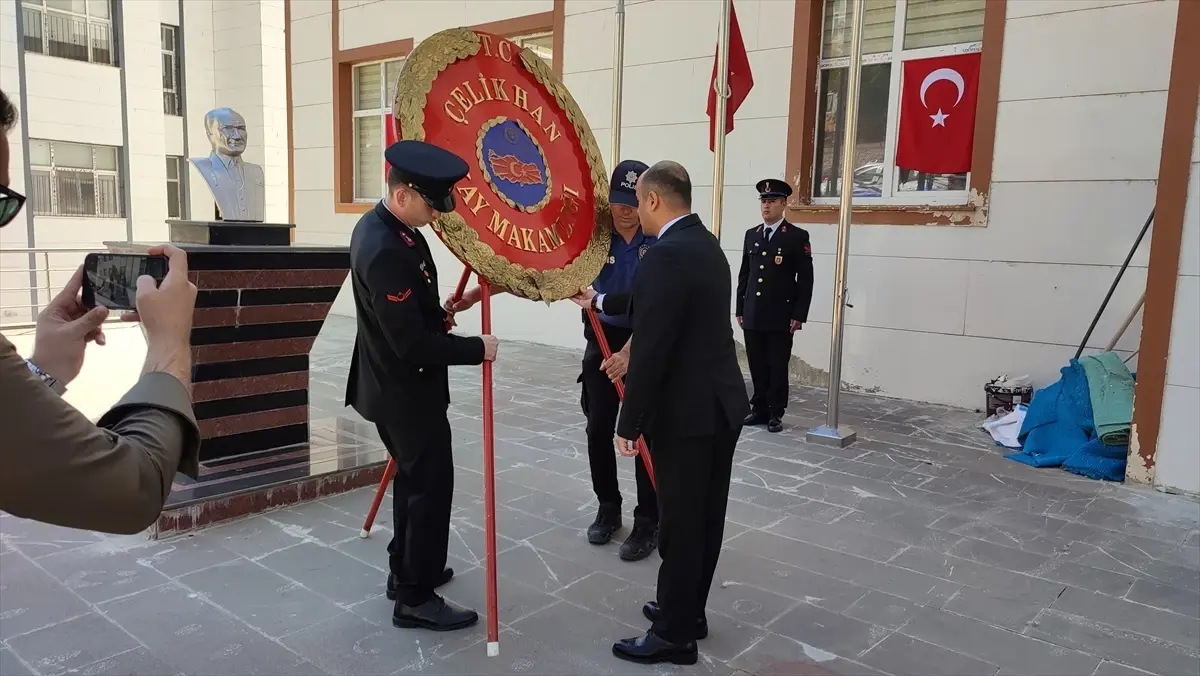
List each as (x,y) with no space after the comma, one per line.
(937,114)
(389,137)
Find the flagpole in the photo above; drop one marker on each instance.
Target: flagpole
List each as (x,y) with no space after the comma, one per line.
(831,434)
(722,91)
(618,82)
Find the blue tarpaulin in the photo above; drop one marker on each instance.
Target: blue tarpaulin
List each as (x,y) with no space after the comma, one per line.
(1059,431)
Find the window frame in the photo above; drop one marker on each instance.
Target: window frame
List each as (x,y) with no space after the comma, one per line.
(53,170)
(970,207)
(344,60)
(176,71)
(383,111)
(44,11)
(181,188)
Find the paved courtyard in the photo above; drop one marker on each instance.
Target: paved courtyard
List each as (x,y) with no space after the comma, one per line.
(918,550)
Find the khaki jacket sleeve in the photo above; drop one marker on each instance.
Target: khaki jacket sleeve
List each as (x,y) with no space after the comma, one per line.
(58,467)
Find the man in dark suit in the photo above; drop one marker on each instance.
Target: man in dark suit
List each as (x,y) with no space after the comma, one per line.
(398,375)
(685,392)
(775,285)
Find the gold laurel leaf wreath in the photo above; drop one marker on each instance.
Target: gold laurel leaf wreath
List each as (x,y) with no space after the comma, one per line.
(487,176)
(432,56)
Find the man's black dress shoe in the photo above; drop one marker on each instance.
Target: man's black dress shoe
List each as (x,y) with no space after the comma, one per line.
(641,542)
(435,614)
(755,418)
(652,612)
(775,424)
(392,583)
(608,522)
(650,649)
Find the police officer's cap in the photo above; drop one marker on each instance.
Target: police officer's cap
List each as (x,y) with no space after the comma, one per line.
(622,189)
(427,169)
(772,188)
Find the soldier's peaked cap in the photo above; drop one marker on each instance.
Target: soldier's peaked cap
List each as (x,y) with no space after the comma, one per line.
(429,170)
(771,188)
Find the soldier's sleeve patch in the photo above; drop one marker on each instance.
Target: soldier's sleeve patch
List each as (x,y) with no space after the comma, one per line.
(807,249)
(399,297)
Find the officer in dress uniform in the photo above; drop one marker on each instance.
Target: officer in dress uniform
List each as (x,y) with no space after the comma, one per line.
(775,285)
(600,400)
(398,375)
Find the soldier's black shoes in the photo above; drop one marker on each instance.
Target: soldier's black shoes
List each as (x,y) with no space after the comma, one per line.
(642,541)
(651,612)
(649,648)
(392,583)
(775,424)
(435,614)
(608,522)
(755,418)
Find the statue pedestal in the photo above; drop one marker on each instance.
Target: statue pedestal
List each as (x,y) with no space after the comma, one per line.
(258,311)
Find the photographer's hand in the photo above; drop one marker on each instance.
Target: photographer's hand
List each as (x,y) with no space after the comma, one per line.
(64,328)
(165,311)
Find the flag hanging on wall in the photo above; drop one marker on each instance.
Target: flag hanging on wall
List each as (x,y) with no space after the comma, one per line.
(740,79)
(389,137)
(937,114)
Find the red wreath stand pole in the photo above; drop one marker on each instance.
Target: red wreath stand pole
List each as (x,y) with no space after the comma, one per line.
(602,340)
(390,471)
(489,481)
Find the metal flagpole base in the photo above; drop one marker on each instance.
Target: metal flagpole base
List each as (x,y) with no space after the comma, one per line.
(825,435)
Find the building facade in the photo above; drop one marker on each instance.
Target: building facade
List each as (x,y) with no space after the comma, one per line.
(112,96)
(1085,121)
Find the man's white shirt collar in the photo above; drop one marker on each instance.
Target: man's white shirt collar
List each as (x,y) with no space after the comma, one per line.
(671,222)
(772,227)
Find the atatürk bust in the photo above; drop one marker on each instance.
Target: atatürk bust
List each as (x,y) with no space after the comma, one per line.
(235,184)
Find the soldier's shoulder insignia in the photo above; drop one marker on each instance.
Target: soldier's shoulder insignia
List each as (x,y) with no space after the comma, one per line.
(642,250)
(412,243)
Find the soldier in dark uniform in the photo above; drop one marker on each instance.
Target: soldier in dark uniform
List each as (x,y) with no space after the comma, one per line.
(775,285)
(398,375)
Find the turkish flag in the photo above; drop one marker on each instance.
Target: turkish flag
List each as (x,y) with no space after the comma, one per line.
(740,80)
(937,114)
(389,136)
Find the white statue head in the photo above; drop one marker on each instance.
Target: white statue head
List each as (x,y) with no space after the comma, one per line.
(226,131)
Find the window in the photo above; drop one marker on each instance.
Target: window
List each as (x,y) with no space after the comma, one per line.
(541,44)
(172,77)
(74,179)
(176,187)
(894,31)
(373,88)
(70,29)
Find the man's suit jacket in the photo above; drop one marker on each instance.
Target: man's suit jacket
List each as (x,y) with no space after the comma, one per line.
(683,377)
(402,350)
(775,280)
(114,476)
(246,204)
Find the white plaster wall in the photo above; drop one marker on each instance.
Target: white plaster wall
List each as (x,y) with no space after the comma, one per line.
(199,77)
(59,90)
(248,71)
(1083,94)
(1178,461)
(15,235)
(147,143)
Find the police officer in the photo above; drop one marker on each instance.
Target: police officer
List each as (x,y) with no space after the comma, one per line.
(775,287)
(600,401)
(398,375)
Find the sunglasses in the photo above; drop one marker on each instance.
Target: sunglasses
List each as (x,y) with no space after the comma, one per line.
(11,202)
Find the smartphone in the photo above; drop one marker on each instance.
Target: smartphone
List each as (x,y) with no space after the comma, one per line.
(111,279)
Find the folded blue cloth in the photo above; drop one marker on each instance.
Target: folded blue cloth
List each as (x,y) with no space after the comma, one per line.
(1097,460)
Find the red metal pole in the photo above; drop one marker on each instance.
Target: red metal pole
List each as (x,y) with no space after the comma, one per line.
(643,451)
(390,471)
(489,483)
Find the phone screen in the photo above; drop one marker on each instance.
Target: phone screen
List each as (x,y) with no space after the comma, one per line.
(111,279)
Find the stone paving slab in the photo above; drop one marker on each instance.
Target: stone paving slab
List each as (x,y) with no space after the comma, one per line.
(916,551)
